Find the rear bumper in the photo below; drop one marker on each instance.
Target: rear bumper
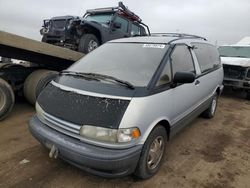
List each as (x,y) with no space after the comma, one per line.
(96,160)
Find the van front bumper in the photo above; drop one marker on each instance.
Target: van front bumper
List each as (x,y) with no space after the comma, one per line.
(97,160)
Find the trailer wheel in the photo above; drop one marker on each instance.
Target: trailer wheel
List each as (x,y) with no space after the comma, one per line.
(88,43)
(36,80)
(7,99)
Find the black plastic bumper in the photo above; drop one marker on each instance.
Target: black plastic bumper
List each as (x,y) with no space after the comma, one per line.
(100,161)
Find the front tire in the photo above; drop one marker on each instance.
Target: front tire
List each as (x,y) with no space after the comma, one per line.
(88,43)
(210,112)
(152,153)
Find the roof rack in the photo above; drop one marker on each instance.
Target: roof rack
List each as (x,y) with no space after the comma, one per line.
(121,8)
(180,35)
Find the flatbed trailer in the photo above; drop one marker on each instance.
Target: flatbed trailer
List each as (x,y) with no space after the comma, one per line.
(28,79)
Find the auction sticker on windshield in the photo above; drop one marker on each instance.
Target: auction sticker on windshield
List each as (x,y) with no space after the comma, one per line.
(154,46)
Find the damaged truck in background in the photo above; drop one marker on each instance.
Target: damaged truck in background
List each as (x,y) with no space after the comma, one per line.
(96,27)
(43,60)
(236,64)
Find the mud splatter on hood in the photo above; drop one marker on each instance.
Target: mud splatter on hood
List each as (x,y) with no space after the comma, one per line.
(82,109)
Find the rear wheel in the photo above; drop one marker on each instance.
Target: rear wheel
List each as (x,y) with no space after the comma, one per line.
(7,99)
(152,153)
(88,43)
(35,82)
(210,112)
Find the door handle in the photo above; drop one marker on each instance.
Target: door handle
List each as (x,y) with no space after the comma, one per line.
(197,82)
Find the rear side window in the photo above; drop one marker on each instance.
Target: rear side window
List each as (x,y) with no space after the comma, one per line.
(207,56)
(135,30)
(124,23)
(182,59)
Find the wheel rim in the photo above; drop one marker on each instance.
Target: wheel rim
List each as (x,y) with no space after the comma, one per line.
(155,153)
(92,45)
(2,99)
(214,104)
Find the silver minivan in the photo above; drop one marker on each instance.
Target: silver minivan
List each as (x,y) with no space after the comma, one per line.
(112,112)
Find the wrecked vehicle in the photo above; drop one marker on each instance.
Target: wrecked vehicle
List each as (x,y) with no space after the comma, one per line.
(112,112)
(236,64)
(95,28)
(60,31)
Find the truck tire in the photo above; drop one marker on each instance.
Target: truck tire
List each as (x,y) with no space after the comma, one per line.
(88,43)
(43,82)
(37,80)
(7,99)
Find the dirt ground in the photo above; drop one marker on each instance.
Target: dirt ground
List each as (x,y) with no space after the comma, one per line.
(208,153)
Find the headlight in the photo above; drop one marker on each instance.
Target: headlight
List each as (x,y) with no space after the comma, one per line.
(39,112)
(109,135)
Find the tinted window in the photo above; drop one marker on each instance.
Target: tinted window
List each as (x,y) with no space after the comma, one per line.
(182,60)
(135,30)
(165,75)
(100,18)
(124,23)
(207,56)
(135,63)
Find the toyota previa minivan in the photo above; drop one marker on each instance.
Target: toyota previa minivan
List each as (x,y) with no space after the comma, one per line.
(112,112)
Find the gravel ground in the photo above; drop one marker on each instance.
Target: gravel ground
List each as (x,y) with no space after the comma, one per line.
(208,153)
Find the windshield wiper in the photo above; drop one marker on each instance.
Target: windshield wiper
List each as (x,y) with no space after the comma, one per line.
(103,76)
(78,74)
(97,77)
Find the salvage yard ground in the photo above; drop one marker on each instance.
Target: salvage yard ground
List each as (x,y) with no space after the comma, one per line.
(208,153)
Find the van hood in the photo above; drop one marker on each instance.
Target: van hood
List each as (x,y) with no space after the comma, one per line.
(82,107)
(237,61)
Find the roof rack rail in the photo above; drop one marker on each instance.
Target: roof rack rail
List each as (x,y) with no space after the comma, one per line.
(180,35)
(121,7)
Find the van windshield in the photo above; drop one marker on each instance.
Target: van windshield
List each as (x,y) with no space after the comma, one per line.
(131,62)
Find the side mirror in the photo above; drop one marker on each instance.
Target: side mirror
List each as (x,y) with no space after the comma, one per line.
(117,25)
(183,77)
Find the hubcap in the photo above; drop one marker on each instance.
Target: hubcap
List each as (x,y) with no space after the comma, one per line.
(214,104)
(92,45)
(2,99)
(155,152)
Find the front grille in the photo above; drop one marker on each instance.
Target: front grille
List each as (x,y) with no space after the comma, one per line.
(53,37)
(62,126)
(234,72)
